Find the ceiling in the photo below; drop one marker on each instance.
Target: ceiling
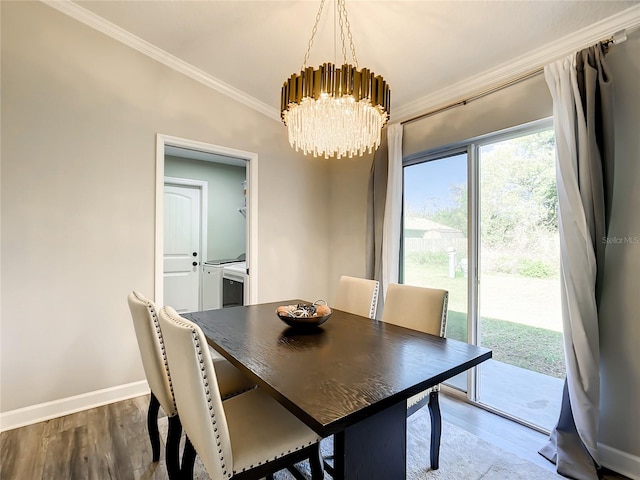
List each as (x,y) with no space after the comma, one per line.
(419,47)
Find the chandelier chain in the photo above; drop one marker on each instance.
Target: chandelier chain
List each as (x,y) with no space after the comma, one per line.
(353,48)
(313,34)
(344,22)
(340,15)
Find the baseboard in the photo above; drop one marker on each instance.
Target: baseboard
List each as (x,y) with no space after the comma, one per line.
(64,406)
(620,462)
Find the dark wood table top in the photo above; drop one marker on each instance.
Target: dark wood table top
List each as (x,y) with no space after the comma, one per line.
(348,369)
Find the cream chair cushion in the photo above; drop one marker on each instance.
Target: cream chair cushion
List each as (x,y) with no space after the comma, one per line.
(357,295)
(152,352)
(231,381)
(419,308)
(262,430)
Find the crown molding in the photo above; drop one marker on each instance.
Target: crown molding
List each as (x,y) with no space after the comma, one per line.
(100,24)
(628,19)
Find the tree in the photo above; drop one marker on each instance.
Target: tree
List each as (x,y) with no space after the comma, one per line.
(456,216)
(518,195)
(518,189)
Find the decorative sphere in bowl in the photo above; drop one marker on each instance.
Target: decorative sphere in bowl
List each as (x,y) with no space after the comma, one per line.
(304,314)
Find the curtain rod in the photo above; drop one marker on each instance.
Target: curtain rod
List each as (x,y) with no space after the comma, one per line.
(477,96)
(616,38)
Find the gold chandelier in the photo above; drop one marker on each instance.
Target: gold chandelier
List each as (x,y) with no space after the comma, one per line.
(335,111)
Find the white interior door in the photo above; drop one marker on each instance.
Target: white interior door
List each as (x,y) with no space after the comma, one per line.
(182,249)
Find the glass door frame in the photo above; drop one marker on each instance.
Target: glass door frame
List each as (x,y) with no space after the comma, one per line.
(472,149)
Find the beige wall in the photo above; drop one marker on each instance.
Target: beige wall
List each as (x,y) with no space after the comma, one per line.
(620,308)
(80,114)
(348,183)
(518,104)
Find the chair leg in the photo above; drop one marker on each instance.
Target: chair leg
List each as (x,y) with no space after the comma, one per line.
(172,452)
(152,426)
(188,460)
(315,462)
(436,429)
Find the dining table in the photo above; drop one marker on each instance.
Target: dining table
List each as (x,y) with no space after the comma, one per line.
(349,377)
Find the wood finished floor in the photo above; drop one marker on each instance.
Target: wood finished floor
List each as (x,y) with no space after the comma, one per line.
(111,442)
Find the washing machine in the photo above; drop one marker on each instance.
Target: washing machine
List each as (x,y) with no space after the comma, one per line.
(211,286)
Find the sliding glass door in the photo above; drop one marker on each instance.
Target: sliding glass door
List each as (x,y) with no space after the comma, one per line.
(480,220)
(519,278)
(435,236)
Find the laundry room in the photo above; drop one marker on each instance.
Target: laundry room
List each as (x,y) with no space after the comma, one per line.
(205,231)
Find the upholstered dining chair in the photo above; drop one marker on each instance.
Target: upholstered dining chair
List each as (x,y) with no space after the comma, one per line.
(360,297)
(357,295)
(423,309)
(249,436)
(154,362)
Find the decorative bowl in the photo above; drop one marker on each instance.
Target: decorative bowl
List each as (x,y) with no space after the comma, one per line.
(304,314)
(305,322)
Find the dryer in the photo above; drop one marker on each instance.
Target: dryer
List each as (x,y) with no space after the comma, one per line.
(215,273)
(233,280)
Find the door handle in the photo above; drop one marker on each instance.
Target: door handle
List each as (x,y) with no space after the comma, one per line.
(195,264)
(195,254)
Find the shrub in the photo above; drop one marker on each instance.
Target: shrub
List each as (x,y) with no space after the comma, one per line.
(500,263)
(535,269)
(429,258)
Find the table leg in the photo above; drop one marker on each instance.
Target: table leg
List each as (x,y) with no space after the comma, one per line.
(374,448)
(436,429)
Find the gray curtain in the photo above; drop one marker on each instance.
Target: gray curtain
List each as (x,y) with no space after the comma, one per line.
(596,94)
(375,208)
(582,95)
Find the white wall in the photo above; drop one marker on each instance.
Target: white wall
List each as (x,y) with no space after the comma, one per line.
(80,114)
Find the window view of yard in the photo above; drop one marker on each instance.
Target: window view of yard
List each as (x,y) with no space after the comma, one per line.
(519,289)
(526,335)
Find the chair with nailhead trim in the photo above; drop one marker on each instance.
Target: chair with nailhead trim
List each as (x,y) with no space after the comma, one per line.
(152,352)
(360,297)
(249,436)
(357,295)
(423,309)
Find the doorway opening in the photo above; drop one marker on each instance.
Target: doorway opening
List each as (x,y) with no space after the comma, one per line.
(187,192)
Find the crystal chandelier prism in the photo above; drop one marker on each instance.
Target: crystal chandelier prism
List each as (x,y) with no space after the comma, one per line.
(335,111)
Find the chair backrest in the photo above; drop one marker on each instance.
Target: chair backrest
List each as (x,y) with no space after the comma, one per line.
(195,387)
(151,346)
(419,308)
(357,295)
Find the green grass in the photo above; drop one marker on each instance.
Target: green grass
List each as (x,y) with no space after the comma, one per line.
(533,348)
(520,344)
